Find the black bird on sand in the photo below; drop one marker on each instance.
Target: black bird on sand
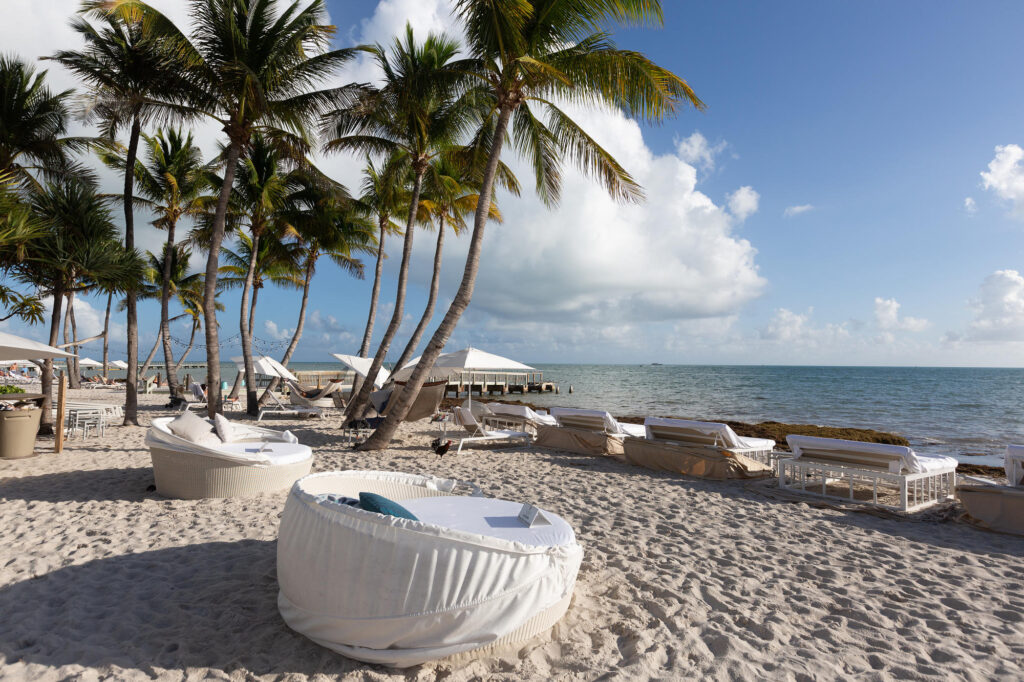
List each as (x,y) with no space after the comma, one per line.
(440,448)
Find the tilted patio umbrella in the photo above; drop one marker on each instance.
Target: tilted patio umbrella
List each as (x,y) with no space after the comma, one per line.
(361,366)
(266,365)
(18,348)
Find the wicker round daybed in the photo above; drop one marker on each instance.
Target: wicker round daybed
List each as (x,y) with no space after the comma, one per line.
(256,461)
(464,579)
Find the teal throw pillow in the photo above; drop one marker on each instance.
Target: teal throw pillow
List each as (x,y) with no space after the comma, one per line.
(382,505)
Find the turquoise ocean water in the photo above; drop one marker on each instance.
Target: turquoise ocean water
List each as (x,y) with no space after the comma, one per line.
(955,411)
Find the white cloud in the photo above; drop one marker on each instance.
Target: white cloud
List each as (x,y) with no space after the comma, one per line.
(696,151)
(1005,177)
(790,328)
(887,317)
(998,309)
(743,203)
(970,206)
(797,210)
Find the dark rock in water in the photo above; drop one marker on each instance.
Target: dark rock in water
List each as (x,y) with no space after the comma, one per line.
(972,454)
(150,488)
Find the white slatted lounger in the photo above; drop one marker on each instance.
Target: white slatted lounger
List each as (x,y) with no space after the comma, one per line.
(920,480)
(481,434)
(283,410)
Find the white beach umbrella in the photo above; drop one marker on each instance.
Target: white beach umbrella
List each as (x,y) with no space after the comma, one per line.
(467,359)
(266,365)
(361,366)
(89,362)
(18,348)
(119,364)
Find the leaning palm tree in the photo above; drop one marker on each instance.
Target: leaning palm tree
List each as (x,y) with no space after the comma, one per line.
(414,115)
(531,54)
(33,125)
(78,249)
(250,65)
(330,225)
(174,183)
(127,70)
(452,191)
(168,271)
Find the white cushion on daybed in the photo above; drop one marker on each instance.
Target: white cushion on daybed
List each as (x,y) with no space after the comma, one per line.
(729,438)
(278,447)
(490,517)
(910,460)
(194,429)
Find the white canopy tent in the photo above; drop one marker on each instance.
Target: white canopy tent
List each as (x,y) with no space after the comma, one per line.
(18,348)
(467,359)
(361,366)
(266,365)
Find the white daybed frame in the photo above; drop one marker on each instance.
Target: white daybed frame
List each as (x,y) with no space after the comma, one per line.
(479,433)
(283,410)
(827,461)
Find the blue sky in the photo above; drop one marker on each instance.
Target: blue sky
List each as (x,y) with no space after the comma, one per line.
(854,194)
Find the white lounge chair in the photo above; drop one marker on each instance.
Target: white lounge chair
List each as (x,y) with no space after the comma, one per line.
(522,414)
(481,433)
(918,480)
(280,409)
(465,579)
(587,432)
(254,461)
(702,449)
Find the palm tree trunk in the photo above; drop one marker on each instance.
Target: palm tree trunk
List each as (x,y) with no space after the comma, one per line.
(362,399)
(310,266)
(165,326)
(191,341)
(77,383)
(131,396)
(396,412)
(210,290)
(70,363)
(435,284)
(364,347)
(106,337)
(46,425)
(245,326)
(152,354)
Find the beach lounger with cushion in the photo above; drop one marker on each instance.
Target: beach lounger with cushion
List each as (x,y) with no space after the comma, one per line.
(480,432)
(191,461)
(280,409)
(702,449)
(861,472)
(587,432)
(465,579)
(523,415)
(993,506)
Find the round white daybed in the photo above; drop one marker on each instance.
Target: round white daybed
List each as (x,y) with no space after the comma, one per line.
(468,576)
(256,461)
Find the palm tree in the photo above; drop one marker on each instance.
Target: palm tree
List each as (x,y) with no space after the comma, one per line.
(33,124)
(331,225)
(128,71)
(451,192)
(79,248)
(166,272)
(19,227)
(530,53)
(174,183)
(191,296)
(413,116)
(249,67)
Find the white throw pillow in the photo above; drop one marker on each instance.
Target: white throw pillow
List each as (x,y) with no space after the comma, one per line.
(194,429)
(225,429)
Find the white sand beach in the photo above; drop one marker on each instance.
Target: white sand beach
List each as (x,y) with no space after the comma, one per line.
(682,578)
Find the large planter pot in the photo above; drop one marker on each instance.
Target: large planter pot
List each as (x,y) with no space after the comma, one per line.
(18,429)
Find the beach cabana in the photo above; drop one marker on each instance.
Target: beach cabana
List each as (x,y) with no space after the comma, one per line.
(587,432)
(192,459)
(465,578)
(701,449)
(867,472)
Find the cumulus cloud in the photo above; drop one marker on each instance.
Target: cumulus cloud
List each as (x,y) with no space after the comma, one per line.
(1005,177)
(970,206)
(998,309)
(797,210)
(697,151)
(743,203)
(887,317)
(793,328)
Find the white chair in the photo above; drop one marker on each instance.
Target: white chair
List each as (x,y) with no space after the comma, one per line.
(480,433)
(280,409)
(818,463)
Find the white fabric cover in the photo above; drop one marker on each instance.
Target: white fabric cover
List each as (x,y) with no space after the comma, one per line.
(490,517)
(361,366)
(1013,463)
(253,445)
(911,461)
(728,437)
(523,411)
(193,429)
(398,592)
(611,426)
